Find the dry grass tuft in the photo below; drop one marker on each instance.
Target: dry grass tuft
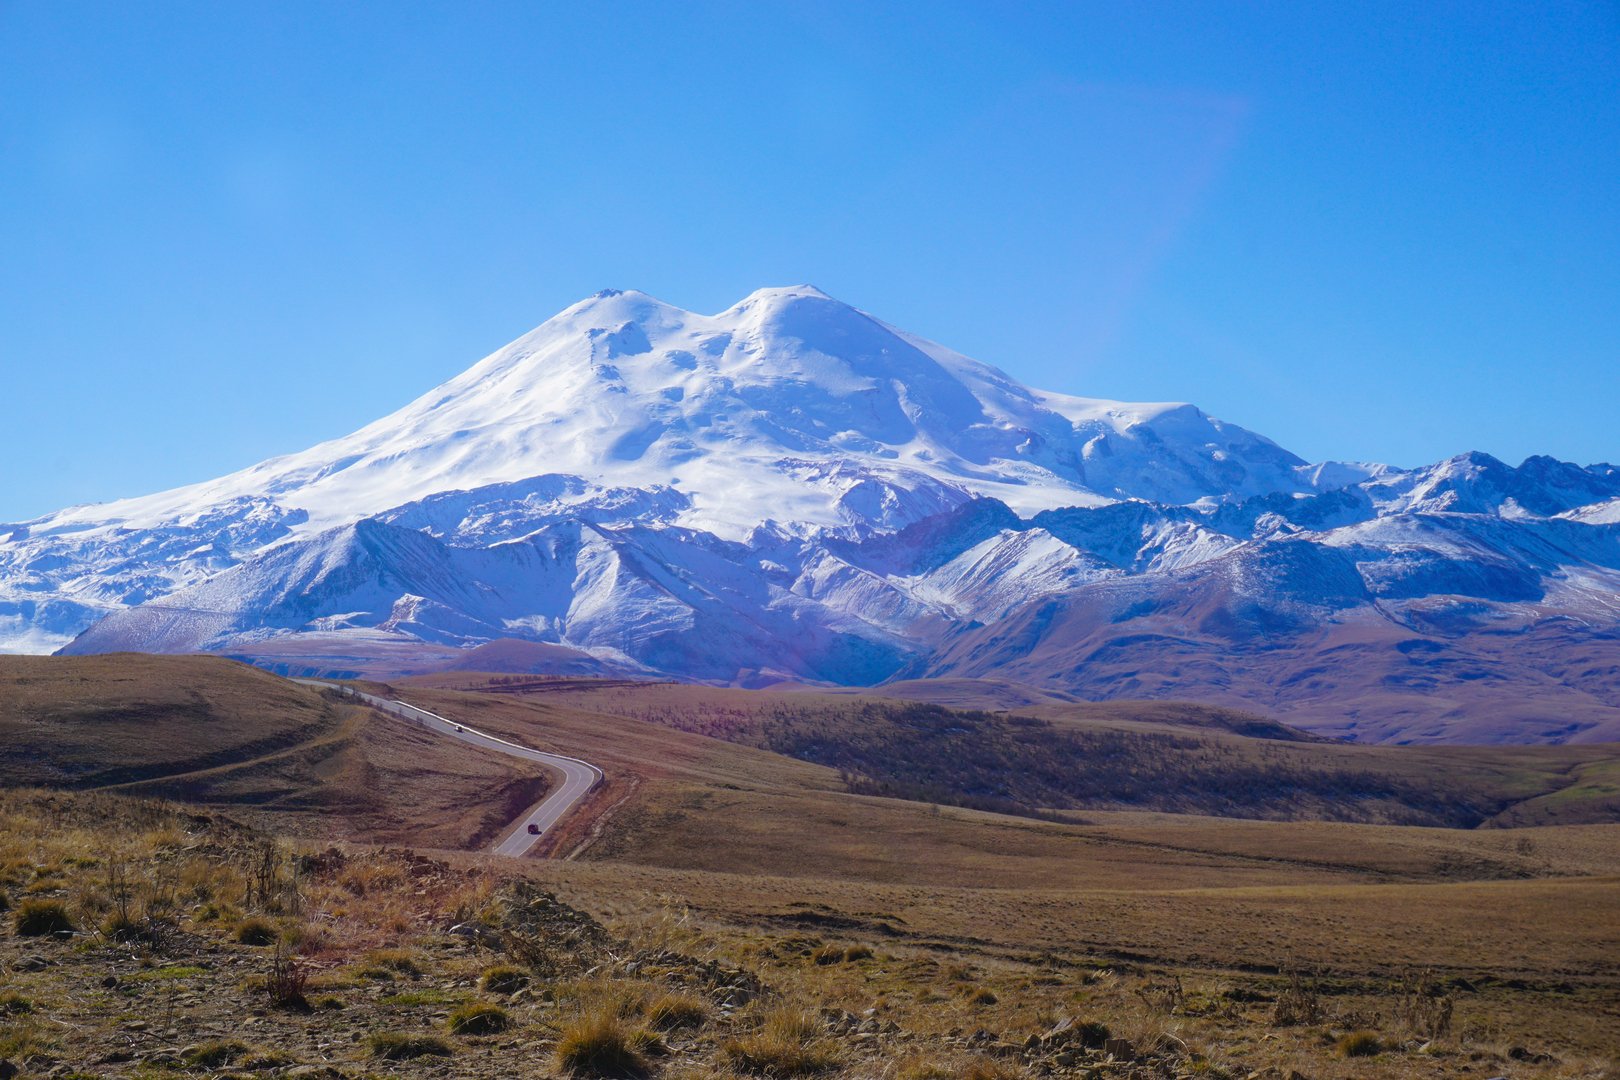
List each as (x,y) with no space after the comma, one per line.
(256,932)
(980,995)
(403,1046)
(600,1042)
(983,1068)
(839,954)
(671,1012)
(479,1018)
(387,963)
(217,1054)
(504,979)
(1361,1044)
(37,917)
(789,1042)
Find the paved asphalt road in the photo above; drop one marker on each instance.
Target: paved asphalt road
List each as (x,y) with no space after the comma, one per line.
(579,777)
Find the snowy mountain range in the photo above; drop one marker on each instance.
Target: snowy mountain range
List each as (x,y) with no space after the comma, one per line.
(794,490)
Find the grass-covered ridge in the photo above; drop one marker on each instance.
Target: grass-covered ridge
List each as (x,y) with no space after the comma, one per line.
(1146,756)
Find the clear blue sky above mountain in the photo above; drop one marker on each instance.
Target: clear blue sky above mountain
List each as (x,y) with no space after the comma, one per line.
(1375,231)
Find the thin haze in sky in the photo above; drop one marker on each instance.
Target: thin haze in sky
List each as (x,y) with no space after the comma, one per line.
(1370,231)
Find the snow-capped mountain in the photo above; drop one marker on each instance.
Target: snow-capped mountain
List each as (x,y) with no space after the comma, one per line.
(794,489)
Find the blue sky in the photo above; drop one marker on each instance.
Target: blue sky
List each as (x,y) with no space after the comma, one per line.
(1370,231)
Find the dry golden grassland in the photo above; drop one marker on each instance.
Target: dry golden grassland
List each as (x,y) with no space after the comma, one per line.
(733,912)
(1529,918)
(187,945)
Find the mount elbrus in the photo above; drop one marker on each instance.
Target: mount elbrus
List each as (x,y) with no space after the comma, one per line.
(795,490)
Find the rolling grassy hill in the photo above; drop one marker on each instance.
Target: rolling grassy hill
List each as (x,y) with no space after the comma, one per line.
(1157,756)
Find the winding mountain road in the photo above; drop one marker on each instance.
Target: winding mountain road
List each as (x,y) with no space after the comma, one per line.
(579,777)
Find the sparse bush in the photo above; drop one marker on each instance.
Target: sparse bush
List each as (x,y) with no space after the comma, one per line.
(125,926)
(670,1012)
(400,1046)
(504,979)
(479,1018)
(14,1004)
(256,932)
(1299,1003)
(1091,1034)
(1164,996)
(5,900)
(38,918)
(788,1043)
(980,995)
(1360,1044)
(600,1042)
(1424,1010)
(287,982)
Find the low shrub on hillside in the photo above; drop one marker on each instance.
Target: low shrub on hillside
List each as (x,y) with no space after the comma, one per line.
(128,926)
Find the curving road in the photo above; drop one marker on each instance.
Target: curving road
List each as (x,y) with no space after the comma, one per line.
(579,777)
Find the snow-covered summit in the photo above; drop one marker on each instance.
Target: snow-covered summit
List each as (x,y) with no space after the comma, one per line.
(788,405)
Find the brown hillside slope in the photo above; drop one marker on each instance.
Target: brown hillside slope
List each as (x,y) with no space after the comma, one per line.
(215,732)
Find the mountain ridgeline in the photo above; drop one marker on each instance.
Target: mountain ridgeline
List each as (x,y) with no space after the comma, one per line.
(793,490)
